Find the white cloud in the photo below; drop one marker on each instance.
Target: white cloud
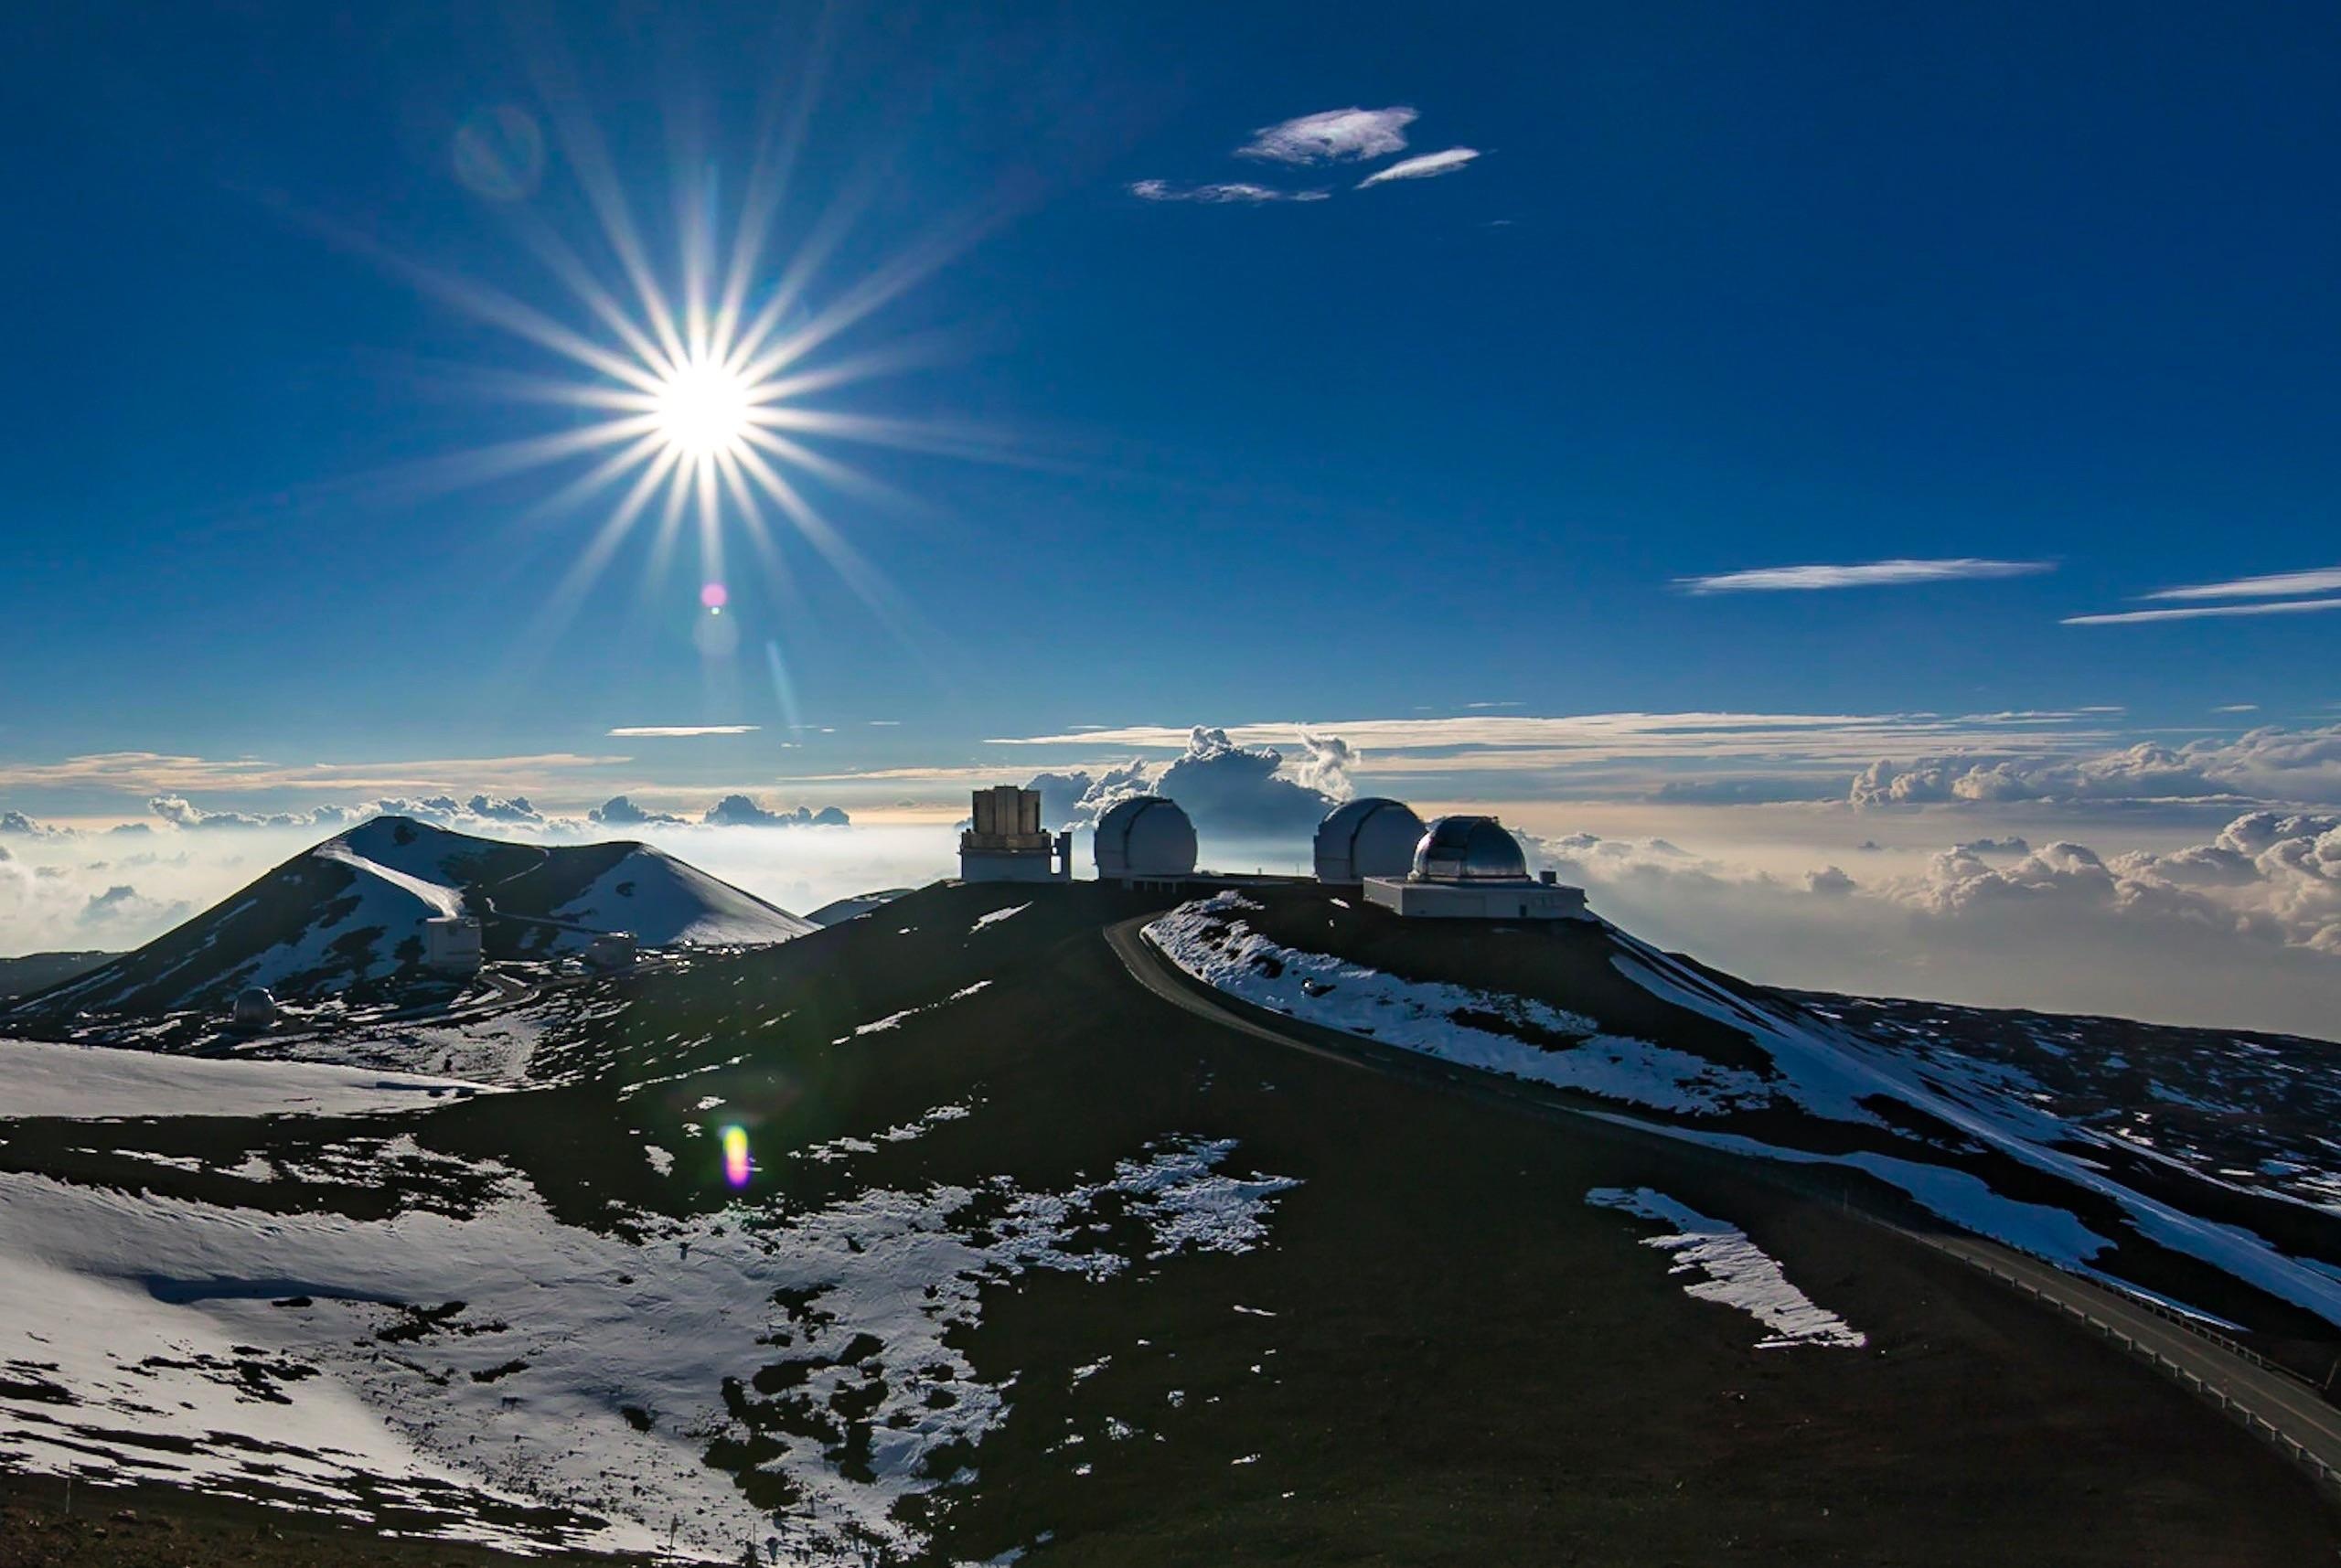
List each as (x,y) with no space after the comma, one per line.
(1233,193)
(1829,882)
(2278,585)
(2012,844)
(18,823)
(619,811)
(671,730)
(742,811)
(1336,135)
(1427,166)
(1869,574)
(2201,612)
(123,907)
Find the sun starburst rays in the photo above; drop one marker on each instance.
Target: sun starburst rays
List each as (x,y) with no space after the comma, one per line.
(689,407)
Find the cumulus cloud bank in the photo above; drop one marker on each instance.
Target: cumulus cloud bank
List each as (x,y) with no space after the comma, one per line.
(2243,930)
(2262,765)
(1231,790)
(743,811)
(619,811)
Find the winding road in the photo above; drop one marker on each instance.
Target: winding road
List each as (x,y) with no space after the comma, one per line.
(2275,1404)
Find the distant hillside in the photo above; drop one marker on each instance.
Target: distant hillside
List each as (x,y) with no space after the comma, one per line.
(34,971)
(854,906)
(348,916)
(2192,1163)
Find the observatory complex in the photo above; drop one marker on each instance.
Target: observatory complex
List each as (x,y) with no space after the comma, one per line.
(1456,868)
(1006,843)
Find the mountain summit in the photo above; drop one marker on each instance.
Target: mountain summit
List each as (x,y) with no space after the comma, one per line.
(348,916)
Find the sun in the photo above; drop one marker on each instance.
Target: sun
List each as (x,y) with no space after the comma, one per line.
(703,409)
(703,401)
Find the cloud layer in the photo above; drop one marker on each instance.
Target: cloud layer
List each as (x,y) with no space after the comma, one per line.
(1236,193)
(2242,930)
(1869,574)
(2263,765)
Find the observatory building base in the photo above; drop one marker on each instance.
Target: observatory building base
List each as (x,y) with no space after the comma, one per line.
(1477,900)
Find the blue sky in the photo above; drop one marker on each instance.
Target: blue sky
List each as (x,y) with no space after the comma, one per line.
(1721,292)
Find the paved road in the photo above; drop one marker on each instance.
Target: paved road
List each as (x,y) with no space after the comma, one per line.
(2290,1415)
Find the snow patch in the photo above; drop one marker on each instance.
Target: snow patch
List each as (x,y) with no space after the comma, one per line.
(86,1083)
(1737,1272)
(995,916)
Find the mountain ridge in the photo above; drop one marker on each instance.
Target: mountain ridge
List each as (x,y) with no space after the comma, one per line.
(347,915)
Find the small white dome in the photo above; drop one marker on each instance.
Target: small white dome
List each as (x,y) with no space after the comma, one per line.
(1146,836)
(254,1007)
(1367,837)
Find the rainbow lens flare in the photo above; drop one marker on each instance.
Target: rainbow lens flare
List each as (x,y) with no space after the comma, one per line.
(735,1156)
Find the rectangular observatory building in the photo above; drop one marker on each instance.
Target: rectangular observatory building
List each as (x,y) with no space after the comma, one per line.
(1005,842)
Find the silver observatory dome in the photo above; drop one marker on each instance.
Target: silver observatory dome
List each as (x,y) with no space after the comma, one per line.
(1470,849)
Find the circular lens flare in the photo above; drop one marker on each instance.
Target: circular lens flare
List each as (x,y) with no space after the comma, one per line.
(735,1156)
(702,410)
(715,595)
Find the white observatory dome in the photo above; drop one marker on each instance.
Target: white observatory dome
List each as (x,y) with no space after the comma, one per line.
(1368,837)
(1470,849)
(1145,836)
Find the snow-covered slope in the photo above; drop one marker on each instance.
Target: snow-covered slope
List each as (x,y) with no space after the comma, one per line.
(1976,1141)
(348,916)
(667,903)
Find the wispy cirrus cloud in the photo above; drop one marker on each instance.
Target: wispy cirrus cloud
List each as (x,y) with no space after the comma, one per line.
(663,730)
(1896,573)
(1235,193)
(2277,585)
(2200,612)
(1332,135)
(159,772)
(1428,166)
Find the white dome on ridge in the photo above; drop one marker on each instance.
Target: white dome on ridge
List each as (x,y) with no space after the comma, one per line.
(1370,837)
(1146,836)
